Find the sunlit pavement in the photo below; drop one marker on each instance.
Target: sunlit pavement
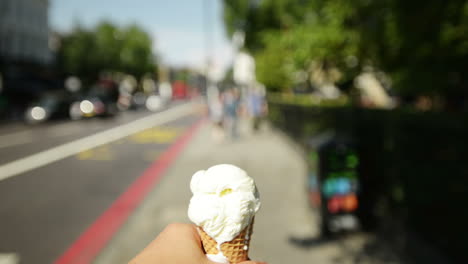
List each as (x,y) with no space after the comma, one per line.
(285,228)
(44,210)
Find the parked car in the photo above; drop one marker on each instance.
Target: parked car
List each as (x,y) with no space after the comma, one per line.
(100,100)
(52,105)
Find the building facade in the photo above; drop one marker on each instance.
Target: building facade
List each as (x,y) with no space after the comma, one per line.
(24,31)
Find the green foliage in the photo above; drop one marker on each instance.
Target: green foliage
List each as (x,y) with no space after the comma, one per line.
(427,55)
(273,66)
(287,37)
(422,45)
(107,47)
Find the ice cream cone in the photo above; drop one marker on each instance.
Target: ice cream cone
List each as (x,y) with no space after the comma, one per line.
(223,206)
(235,250)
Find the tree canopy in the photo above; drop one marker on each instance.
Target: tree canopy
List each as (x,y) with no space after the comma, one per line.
(106,47)
(422,45)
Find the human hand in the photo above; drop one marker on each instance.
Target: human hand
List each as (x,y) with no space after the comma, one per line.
(177,243)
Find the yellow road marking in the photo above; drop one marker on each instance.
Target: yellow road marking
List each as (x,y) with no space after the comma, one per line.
(74,147)
(158,135)
(101,153)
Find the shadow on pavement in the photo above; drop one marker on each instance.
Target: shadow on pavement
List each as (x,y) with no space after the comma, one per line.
(352,248)
(309,242)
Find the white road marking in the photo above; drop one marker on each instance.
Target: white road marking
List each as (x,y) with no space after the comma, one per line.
(9,258)
(71,148)
(17,138)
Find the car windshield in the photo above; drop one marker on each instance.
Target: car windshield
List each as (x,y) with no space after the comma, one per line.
(48,101)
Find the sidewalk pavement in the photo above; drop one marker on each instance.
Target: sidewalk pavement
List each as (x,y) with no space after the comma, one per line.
(285,217)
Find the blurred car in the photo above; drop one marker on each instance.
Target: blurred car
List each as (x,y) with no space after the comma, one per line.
(138,100)
(101,100)
(156,103)
(52,105)
(179,90)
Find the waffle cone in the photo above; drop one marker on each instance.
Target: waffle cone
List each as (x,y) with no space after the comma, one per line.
(235,250)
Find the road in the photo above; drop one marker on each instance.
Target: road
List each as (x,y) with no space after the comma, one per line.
(48,200)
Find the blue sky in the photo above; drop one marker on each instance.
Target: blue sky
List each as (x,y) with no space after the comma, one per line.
(177,26)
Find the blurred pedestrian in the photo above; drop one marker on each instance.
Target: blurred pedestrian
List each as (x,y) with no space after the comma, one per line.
(257,106)
(215,107)
(177,243)
(231,102)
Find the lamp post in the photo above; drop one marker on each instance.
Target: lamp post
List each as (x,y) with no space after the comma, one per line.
(208,40)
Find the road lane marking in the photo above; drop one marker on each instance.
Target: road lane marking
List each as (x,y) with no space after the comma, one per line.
(158,135)
(101,153)
(89,244)
(74,147)
(14,139)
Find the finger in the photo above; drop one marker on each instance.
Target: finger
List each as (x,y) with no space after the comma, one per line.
(243,262)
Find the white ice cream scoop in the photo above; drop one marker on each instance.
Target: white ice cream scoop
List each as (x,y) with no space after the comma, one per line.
(225,200)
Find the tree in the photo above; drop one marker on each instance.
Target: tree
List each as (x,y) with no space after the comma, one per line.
(136,54)
(422,45)
(290,37)
(107,47)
